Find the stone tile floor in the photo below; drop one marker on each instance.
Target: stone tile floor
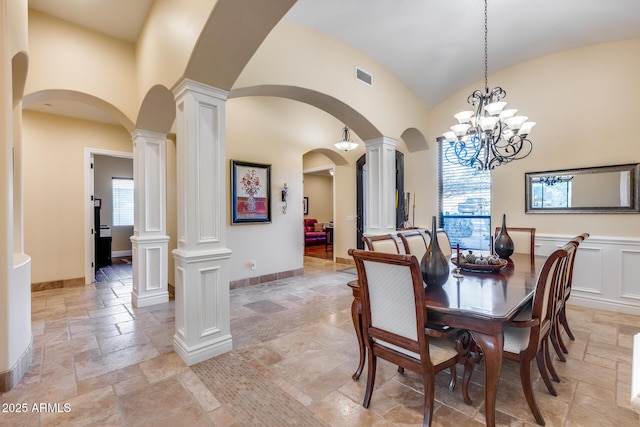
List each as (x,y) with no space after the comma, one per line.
(106,363)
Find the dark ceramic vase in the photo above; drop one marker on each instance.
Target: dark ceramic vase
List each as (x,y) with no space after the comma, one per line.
(434,265)
(503,245)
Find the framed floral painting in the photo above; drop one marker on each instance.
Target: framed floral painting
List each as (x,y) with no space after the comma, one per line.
(250,192)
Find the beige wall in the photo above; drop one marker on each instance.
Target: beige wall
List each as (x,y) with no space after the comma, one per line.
(66,56)
(54,190)
(167,39)
(299,57)
(105,168)
(279,132)
(319,190)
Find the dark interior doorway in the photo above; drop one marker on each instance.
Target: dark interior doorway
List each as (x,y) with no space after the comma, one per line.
(360,191)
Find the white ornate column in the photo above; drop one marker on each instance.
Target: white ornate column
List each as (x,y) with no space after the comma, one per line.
(149,243)
(380,189)
(201,258)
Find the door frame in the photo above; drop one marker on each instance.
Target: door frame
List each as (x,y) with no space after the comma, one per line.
(360,163)
(89,182)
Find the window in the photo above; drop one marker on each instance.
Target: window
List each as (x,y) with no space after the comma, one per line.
(465,203)
(122,192)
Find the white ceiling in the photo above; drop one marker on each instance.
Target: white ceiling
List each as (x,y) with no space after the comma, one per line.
(434,46)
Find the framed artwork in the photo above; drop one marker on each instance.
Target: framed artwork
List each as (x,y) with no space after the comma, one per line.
(305,205)
(250,192)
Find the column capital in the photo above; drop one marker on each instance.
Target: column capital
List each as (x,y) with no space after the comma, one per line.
(147,134)
(382,141)
(188,85)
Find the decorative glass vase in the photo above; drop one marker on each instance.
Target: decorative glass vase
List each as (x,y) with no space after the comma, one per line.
(503,245)
(434,265)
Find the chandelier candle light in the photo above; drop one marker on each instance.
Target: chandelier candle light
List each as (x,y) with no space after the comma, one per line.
(492,135)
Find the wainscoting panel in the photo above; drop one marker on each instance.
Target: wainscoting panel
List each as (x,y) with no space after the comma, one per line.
(587,270)
(605,273)
(630,263)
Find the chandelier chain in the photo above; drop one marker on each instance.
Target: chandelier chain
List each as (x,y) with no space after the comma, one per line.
(486,49)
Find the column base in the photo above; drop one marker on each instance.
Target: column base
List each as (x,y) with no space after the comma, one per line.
(150,282)
(148,300)
(199,353)
(202,304)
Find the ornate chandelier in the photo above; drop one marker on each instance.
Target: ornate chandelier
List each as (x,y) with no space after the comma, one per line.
(346,144)
(490,136)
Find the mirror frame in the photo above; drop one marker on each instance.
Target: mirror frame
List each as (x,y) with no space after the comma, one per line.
(634,185)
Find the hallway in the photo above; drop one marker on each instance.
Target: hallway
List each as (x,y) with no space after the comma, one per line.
(294,353)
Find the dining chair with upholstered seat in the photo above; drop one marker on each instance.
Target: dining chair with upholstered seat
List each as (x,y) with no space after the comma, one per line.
(382,243)
(527,336)
(415,242)
(444,242)
(524,239)
(394,323)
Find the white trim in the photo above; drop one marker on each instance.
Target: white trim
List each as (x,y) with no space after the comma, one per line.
(89,250)
(116,254)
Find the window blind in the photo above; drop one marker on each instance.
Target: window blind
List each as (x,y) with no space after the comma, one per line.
(122,194)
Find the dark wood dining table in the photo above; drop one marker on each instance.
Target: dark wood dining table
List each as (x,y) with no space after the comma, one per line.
(481,302)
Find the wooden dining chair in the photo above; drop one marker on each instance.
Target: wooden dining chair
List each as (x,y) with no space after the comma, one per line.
(394,320)
(444,242)
(558,302)
(561,317)
(415,242)
(382,243)
(527,336)
(524,239)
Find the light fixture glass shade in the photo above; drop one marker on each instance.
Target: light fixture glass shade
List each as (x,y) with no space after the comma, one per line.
(495,108)
(449,136)
(464,116)
(515,122)
(346,144)
(488,123)
(460,129)
(510,112)
(526,128)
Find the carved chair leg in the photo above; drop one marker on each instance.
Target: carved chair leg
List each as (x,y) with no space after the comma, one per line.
(544,369)
(554,340)
(400,370)
(548,362)
(429,391)
(371,377)
(565,324)
(453,379)
(563,347)
(525,379)
(469,365)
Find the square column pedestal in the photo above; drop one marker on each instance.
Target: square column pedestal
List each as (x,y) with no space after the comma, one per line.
(201,258)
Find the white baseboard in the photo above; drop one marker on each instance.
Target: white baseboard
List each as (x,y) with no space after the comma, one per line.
(118,254)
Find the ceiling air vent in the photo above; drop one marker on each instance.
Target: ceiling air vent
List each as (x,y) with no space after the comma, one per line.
(364,77)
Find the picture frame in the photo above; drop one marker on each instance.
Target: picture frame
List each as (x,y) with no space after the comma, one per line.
(305,205)
(250,192)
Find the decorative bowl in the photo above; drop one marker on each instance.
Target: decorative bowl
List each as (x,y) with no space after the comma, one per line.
(483,268)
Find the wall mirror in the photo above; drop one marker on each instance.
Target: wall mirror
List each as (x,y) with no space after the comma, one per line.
(603,189)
